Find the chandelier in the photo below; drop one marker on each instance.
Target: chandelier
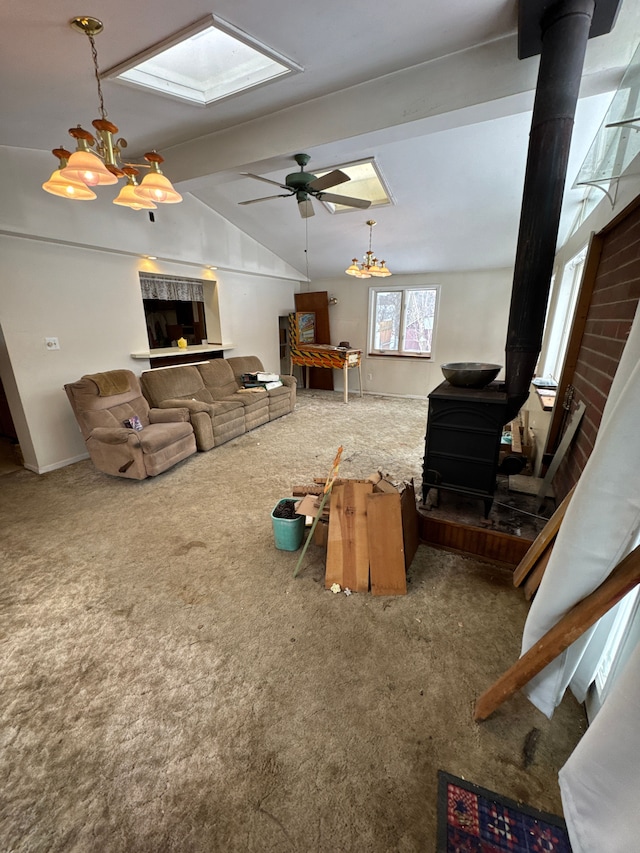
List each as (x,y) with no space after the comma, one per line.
(97,159)
(370,265)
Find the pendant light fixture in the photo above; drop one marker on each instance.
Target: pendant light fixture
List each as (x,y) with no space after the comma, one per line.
(97,159)
(370,266)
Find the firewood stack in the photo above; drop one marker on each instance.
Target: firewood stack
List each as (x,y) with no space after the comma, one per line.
(370,532)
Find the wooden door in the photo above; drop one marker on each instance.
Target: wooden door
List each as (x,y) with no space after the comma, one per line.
(318,302)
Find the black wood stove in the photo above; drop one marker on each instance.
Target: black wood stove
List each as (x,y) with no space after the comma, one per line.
(463,440)
(465,425)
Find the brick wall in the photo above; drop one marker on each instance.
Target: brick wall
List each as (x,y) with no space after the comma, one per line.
(611,311)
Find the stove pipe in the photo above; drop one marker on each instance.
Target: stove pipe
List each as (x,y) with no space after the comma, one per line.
(564,30)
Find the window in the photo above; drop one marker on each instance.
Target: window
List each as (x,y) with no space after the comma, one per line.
(402,320)
(561,317)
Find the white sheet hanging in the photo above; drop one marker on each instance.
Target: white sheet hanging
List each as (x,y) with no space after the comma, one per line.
(600,527)
(599,783)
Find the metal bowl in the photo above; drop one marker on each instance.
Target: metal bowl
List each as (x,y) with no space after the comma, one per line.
(470,374)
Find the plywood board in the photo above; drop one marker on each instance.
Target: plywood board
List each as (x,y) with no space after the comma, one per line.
(348,546)
(386,546)
(409,524)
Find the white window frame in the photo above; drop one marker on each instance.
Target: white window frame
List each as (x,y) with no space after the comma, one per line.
(564,306)
(384,353)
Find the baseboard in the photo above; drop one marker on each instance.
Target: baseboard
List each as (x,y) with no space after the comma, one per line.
(45,469)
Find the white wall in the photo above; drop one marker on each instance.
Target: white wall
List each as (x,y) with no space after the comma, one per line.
(471,325)
(70,270)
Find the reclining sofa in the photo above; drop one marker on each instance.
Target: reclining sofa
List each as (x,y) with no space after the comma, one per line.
(123,435)
(219,407)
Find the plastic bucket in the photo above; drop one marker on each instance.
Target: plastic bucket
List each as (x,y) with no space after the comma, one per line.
(287,532)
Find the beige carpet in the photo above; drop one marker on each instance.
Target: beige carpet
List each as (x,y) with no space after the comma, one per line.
(168,686)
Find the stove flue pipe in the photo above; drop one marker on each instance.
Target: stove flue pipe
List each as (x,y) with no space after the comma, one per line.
(565,29)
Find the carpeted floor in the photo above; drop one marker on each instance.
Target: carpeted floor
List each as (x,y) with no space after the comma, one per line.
(168,686)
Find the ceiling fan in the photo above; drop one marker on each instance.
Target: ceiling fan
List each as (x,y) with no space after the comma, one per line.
(305,186)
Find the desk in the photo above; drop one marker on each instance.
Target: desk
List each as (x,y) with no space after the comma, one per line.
(323,355)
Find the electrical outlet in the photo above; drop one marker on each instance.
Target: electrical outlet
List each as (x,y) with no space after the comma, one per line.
(369,376)
(52,343)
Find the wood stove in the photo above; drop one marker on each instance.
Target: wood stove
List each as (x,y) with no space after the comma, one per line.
(462,443)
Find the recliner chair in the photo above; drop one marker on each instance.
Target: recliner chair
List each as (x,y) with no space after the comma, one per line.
(123,435)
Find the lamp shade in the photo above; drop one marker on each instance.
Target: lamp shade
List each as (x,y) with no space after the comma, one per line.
(354,269)
(128,198)
(155,187)
(65,187)
(86,167)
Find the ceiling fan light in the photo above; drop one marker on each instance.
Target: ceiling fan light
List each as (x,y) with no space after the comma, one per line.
(66,188)
(88,168)
(155,187)
(128,198)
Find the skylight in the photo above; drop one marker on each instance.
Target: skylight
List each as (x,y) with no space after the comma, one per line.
(204,63)
(366,182)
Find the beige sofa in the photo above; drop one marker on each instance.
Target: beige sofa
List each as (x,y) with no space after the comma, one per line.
(219,408)
(282,400)
(106,405)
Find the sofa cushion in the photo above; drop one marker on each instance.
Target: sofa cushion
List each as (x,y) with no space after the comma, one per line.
(218,378)
(173,382)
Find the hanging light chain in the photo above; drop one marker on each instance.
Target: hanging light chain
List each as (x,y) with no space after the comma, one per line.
(94,54)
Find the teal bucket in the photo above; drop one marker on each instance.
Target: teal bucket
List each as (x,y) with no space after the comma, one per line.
(288,532)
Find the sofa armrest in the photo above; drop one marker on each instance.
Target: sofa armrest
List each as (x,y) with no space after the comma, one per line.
(112,435)
(289,381)
(182,403)
(167,416)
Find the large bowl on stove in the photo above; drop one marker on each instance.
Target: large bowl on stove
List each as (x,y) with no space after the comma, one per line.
(470,374)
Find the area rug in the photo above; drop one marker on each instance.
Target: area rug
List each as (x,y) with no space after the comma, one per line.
(474,820)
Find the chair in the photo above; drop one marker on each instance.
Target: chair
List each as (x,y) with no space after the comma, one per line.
(123,435)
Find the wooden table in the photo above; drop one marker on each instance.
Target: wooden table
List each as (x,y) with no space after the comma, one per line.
(323,355)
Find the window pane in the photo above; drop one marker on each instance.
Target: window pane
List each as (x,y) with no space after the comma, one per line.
(387,320)
(420,306)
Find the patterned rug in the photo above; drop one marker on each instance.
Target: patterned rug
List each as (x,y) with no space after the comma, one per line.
(474,820)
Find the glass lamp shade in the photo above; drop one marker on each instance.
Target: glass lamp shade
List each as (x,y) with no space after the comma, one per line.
(128,198)
(382,272)
(354,269)
(155,187)
(75,190)
(86,167)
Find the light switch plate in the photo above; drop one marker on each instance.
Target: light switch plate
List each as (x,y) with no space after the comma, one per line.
(52,343)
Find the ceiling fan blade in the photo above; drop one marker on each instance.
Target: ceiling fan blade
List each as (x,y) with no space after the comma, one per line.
(264,198)
(334,198)
(306,208)
(331,179)
(266,180)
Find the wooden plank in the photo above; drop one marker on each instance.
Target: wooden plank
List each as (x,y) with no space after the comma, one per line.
(546,535)
(333,566)
(533,580)
(348,546)
(516,442)
(410,536)
(478,542)
(560,453)
(386,547)
(573,624)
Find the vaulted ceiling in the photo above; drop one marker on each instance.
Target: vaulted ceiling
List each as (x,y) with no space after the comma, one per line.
(433,91)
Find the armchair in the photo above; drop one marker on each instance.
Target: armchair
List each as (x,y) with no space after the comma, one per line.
(153,439)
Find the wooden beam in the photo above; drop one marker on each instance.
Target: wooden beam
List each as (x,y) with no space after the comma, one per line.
(546,535)
(572,625)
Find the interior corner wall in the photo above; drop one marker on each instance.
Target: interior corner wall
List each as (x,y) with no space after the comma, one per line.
(471,325)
